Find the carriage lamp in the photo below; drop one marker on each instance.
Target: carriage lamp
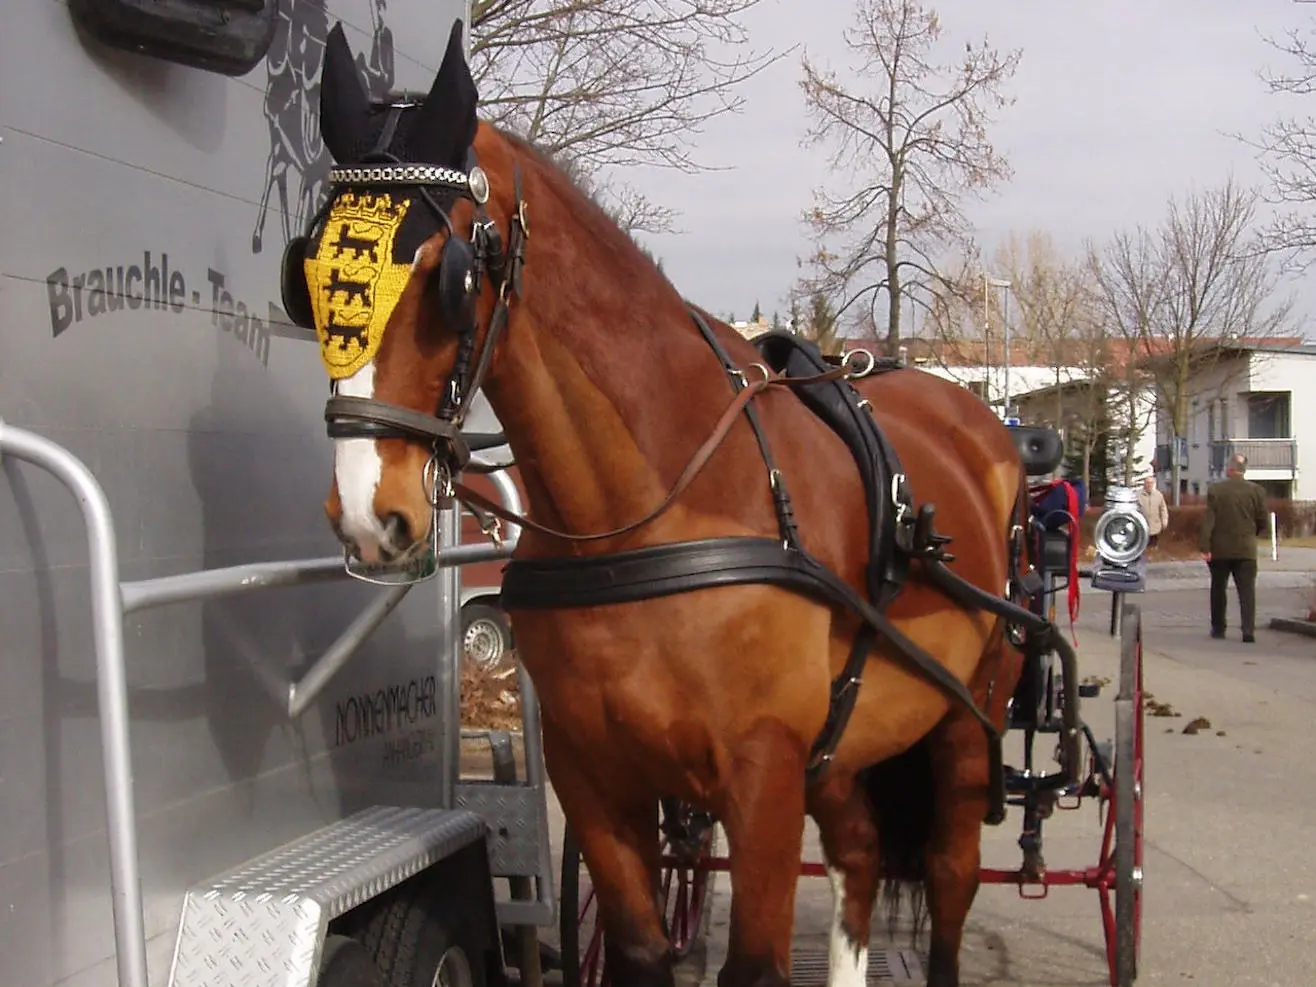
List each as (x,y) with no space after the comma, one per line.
(1121,537)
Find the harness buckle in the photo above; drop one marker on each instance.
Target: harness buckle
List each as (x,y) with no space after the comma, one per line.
(493,530)
(437,480)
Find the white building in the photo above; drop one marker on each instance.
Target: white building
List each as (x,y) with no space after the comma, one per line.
(1256,399)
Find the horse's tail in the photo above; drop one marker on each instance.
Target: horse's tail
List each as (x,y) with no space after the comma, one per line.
(902,794)
(900,791)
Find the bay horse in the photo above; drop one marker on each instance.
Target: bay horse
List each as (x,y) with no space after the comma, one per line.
(754,638)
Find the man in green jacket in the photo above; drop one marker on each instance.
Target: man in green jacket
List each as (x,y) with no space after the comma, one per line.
(1235,516)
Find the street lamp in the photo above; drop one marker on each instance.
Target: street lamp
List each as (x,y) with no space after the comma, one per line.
(1000,283)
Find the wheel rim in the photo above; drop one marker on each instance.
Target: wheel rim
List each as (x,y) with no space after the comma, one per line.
(484,643)
(454,969)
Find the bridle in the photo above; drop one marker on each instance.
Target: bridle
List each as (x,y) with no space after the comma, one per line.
(461,272)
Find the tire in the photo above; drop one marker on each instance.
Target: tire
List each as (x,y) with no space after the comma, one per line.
(486,635)
(425,939)
(345,962)
(1129,798)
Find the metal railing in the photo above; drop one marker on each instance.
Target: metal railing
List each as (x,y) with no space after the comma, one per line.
(112,598)
(1265,454)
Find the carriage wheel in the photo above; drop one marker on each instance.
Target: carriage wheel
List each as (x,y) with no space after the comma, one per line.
(685,836)
(1129,799)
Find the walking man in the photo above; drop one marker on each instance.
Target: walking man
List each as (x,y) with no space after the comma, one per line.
(1151,502)
(1235,516)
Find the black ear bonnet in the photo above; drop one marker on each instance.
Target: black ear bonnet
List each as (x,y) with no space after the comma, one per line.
(436,129)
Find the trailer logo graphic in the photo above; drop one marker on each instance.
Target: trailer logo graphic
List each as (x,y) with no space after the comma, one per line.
(292,108)
(353,280)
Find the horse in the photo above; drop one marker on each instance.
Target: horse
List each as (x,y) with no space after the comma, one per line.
(754,638)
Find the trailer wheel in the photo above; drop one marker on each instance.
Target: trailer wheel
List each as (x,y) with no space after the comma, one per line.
(425,939)
(347,963)
(486,635)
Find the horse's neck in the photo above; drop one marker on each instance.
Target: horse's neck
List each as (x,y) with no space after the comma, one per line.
(603,408)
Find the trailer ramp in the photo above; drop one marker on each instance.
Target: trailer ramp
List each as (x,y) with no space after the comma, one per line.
(263,923)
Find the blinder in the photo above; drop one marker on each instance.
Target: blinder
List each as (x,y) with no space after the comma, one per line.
(457,290)
(293,289)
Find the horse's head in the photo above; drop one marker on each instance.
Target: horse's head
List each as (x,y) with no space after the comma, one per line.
(401,276)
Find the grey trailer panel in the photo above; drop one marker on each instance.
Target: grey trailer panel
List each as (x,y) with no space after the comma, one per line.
(204,429)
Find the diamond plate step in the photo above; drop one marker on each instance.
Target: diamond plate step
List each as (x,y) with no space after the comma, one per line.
(885,967)
(263,923)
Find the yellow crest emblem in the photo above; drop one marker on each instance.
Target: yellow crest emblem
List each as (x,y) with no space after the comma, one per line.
(353,280)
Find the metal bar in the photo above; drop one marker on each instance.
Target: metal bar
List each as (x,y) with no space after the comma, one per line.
(303,692)
(210,583)
(207,584)
(111,691)
(511,498)
(534,771)
(448,579)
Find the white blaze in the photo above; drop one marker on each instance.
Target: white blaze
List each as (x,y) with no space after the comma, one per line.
(847,965)
(357,468)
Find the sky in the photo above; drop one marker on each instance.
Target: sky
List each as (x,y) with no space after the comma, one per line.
(1118,105)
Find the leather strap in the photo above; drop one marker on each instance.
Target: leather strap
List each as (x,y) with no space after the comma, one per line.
(366,418)
(692,470)
(664,570)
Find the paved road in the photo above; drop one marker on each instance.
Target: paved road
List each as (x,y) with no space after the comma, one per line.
(1230,893)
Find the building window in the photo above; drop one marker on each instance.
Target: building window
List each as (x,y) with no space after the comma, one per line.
(1268,415)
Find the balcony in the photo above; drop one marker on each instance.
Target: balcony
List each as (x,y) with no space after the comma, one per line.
(1262,454)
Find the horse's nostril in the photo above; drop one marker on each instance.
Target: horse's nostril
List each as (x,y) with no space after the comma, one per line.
(397,529)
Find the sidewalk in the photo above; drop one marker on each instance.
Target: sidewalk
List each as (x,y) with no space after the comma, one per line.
(1295,568)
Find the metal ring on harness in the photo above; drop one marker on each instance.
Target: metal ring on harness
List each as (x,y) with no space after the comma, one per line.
(851,374)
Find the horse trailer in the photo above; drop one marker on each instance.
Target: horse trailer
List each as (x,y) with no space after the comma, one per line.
(217,765)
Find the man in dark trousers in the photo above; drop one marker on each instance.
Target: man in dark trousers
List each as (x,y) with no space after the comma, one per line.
(1235,516)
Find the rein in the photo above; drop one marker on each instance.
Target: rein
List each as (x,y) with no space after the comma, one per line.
(692,469)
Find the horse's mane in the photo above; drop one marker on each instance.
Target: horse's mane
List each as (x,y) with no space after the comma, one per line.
(594,215)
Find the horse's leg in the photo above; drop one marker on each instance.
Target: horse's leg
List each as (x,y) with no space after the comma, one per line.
(763,816)
(958,751)
(619,843)
(850,846)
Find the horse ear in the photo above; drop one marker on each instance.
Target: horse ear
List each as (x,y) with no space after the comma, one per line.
(344,101)
(445,124)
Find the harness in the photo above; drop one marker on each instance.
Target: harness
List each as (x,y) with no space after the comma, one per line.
(898,534)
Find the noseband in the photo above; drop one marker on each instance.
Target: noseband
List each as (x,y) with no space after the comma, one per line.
(461,272)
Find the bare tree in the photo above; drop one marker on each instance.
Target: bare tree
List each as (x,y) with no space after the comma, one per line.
(1187,294)
(1288,154)
(608,84)
(818,322)
(1060,326)
(911,139)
